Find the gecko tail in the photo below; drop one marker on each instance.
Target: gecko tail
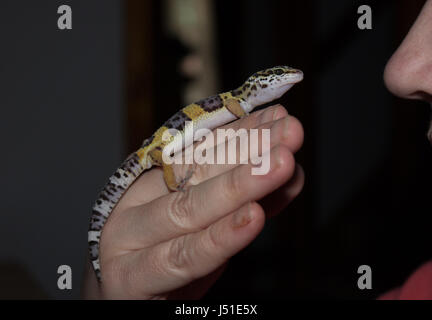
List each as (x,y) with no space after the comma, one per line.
(108,198)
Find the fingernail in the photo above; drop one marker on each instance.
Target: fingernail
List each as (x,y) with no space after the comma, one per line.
(278,113)
(267,116)
(243,217)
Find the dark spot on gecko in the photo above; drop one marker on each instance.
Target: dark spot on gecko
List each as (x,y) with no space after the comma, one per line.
(210,104)
(147,141)
(264,86)
(97,214)
(109,193)
(177,121)
(254,87)
(184,117)
(237,92)
(111,185)
(119,187)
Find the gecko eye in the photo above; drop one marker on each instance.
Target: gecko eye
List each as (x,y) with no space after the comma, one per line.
(278,71)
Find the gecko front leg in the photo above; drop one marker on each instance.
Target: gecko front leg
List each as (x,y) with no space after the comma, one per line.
(235,108)
(168,172)
(171,181)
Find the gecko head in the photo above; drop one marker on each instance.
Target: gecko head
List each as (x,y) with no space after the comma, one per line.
(268,85)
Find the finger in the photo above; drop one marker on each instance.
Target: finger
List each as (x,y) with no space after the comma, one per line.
(263,119)
(139,192)
(257,118)
(180,261)
(287,131)
(279,199)
(292,134)
(198,206)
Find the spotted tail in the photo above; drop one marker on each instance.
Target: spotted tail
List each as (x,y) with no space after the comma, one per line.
(118,183)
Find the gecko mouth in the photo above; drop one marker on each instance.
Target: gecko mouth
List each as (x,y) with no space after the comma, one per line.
(297,77)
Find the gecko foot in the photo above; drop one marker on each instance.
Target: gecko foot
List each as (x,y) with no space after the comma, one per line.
(189,173)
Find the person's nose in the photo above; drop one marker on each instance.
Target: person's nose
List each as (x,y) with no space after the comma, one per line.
(408,73)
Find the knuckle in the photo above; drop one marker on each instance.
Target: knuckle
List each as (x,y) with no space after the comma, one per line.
(201,173)
(157,262)
(180,209)
(178,259)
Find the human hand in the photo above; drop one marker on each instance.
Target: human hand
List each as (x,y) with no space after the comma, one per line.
(165,245)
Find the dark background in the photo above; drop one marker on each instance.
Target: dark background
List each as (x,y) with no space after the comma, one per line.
(74,103)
